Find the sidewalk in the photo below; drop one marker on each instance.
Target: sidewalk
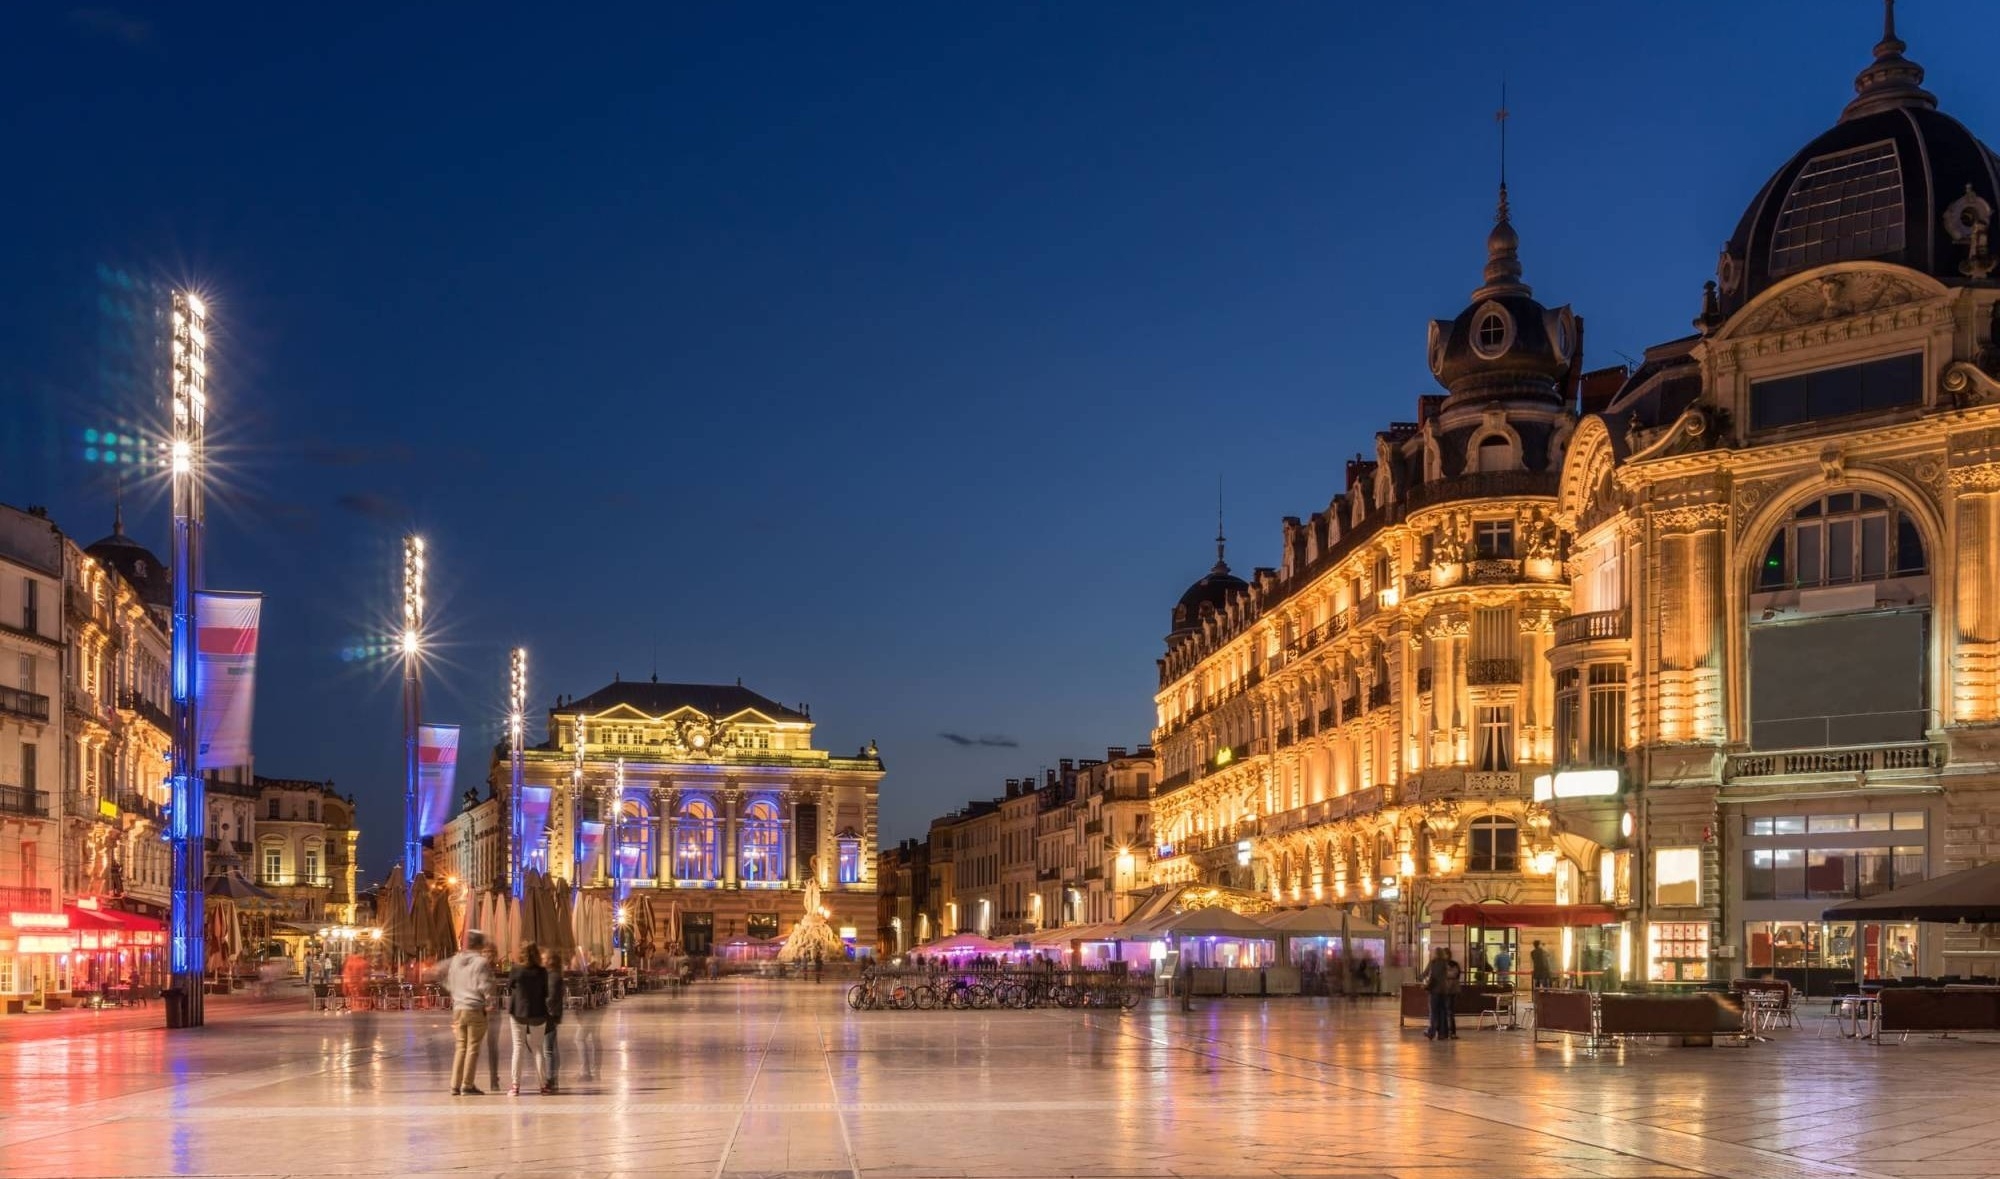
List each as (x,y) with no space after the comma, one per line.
(87,1021)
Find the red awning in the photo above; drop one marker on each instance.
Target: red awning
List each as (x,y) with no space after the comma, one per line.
(82,918)
(1496,916)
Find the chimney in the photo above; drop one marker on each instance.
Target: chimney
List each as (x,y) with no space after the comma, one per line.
(1067,764)
(1013,788)
(1114,753)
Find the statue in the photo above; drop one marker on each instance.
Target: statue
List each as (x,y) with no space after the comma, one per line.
(812,935)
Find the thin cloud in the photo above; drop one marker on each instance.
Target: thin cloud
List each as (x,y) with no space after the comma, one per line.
(372,506)
(131,31)
(985,741)
(358,456)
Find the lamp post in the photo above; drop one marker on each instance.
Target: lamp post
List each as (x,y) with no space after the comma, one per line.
(517,723)
(620,886)
(188,826)
(576,812)
(413,628)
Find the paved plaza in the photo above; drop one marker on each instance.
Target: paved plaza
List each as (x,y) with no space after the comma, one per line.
(742,1079)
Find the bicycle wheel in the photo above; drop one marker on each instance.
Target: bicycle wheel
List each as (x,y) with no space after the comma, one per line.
(1067,996)
(957,998)
(978,996)
(903,998)
(925,998)
(1128,998)
(857,996)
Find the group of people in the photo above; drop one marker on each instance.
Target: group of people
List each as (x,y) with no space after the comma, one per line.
(533,997)
(1443,977)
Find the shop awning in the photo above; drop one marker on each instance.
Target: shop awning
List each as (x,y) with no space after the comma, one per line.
(1498,916)
(1972,895)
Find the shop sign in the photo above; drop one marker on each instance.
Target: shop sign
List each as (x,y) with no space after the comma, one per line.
(42,943)
(38,920)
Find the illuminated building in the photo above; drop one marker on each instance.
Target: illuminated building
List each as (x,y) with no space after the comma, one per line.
(725,810)
(1785,536)
(31,718)
(1362,724)
(1705,646)
(304,842)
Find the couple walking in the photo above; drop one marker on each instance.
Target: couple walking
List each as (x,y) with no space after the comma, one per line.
(535,995)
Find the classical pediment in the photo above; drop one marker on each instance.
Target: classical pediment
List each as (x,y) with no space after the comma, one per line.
(1831,293)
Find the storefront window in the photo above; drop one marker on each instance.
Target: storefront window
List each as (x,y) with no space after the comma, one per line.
(1887,950)
(1677,951)
(1677,876)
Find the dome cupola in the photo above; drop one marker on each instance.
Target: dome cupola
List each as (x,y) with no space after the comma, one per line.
(1213,590)
(1505,346)
(1894,180)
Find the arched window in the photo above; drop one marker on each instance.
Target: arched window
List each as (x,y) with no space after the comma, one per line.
(1494,845)
(848,846)
(697,841)
(763,842)
(634,841)
(1842,539)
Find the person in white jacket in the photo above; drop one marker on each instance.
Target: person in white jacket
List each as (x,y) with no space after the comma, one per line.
(468,976)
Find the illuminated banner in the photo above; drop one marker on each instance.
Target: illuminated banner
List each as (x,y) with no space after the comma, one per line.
(225,675)
(534,828)
(437,776)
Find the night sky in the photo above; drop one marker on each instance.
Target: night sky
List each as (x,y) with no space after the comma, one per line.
(885,356)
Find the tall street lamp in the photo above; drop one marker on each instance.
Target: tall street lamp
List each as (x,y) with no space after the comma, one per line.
(188,825)
(517,724)
(413,629)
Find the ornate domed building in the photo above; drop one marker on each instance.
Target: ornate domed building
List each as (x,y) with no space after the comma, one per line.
(1669,657)
(1362,723)
(1785,528)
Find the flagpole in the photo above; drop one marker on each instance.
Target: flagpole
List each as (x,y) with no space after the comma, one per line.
(188,822)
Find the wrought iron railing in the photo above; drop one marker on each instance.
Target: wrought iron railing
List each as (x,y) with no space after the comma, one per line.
(19,800)
(1492,671)
(31,705)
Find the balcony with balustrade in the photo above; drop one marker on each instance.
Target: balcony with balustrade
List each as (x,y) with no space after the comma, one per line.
(1492,672)
(19,800)
(29,706)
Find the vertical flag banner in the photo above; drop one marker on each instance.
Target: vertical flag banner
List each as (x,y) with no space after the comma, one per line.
(225,675)
(437,776)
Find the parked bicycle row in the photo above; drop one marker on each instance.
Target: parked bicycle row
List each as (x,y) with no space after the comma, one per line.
(931,990)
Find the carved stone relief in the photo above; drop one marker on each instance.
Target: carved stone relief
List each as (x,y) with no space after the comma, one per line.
(1831,296)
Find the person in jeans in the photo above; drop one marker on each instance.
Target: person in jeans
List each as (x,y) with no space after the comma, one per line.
(528,1008)
(557,990)
(468,977)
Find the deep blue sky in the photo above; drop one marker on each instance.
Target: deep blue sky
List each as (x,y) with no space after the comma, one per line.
(886,356)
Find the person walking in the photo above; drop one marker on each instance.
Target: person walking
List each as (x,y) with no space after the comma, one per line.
(558,991)
(528,1010)
(1503,965)
(1543,967)
(468,977)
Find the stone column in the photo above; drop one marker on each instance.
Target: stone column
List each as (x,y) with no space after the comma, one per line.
(1975,662)
(732,802)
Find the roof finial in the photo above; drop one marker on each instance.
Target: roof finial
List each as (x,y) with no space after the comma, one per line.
(1503,245)
(1221,566)
(1891,80)
(118,507)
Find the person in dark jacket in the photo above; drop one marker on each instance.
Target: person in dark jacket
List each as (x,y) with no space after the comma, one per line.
(1543,966)
(1441,980)
(528,1011)
(558,991)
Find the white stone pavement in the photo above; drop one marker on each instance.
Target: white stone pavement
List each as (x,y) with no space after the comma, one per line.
(742,1079)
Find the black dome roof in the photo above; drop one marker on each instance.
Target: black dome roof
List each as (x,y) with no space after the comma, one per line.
(134,562)
(1878,185)
(1505,346)
(1214,589)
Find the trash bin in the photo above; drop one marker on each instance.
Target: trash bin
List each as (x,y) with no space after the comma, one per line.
(176,999)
